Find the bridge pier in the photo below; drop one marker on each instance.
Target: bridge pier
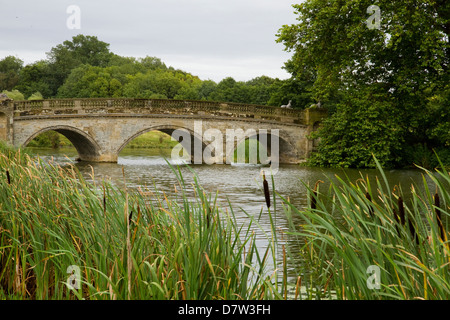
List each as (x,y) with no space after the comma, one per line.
(109,158)
(6,120)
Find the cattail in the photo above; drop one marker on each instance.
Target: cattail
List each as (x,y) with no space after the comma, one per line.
(437,205)
(437,202)
(8,178)
(313,199)
(104,201)
(137,222)
(266,190)
(129,217)
(208,216)
(314,195)
(401,210)
(412,230)
(395,214)
(369,198)
(396,219)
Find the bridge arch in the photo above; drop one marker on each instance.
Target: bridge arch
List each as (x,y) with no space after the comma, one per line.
(285,149)
(87,148)
(189,145)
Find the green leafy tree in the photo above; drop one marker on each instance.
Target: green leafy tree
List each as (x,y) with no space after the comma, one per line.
(91,82)
(261,89)
(36,96)
(10,67)
(35,78)
(132,66)
(231,90)
(14,94)
(393,69)
(291,89)
(206,88)
(70,54)
(162,84)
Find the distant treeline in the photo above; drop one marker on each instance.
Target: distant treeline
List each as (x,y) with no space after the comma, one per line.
(84,67)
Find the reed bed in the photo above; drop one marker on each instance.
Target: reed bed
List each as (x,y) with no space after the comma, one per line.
(362,243)
(143,244)
(123,244)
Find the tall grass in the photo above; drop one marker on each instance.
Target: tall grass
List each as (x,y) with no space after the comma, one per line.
(144,244)
(353,233)
(127,244)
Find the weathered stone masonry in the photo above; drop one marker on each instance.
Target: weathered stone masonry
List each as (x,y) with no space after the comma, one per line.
(100,128)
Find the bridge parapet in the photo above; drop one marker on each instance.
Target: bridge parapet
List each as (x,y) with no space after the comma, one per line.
(126,106)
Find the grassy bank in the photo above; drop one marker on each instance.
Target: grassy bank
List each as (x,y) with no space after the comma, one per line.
(64,238)
(152,139)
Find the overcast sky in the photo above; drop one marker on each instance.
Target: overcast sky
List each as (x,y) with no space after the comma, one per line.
(212,39)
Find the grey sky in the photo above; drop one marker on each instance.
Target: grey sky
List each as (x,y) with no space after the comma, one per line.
(209,38)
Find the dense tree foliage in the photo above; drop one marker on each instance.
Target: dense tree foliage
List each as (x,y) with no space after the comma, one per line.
(9,72)
(65,57)
(84,67)
(386,84)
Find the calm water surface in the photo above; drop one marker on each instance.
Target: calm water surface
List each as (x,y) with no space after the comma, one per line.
(241,185)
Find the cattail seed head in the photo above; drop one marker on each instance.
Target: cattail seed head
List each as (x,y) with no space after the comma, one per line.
(104,202)
(369,198)
(401,210)
(8,178)
(437,202)
(395,214)
(438,217)
(266,191)
(314,195)
(313,199)
(208,217)
(412,230)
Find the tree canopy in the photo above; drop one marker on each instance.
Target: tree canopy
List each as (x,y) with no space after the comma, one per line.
(9,72)
(84,67)
(386,87)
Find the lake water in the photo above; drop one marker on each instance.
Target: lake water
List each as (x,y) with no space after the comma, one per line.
(241,185)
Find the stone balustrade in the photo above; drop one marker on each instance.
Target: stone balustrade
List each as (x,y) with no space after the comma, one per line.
(126,106)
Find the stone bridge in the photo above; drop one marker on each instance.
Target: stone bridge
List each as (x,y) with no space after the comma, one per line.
(100,128)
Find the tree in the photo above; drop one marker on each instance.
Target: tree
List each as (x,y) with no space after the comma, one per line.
(206,88)
(70,54)
(35,78)
(91,82)
(10,67)
(393,69)
(231,90)
(14,94)
(293,89)
(131,65)
(36,96)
